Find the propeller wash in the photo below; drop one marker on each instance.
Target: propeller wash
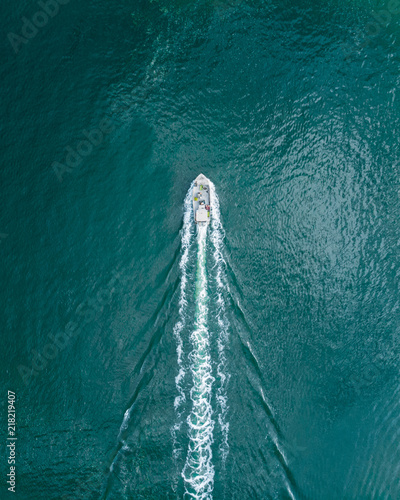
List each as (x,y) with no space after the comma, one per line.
(196,369)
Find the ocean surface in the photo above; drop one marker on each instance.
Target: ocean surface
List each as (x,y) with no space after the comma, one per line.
(258,359)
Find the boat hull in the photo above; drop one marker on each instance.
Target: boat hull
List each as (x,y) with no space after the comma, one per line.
(202,200)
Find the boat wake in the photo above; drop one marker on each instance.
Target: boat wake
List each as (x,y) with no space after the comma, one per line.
(199,470)
(217,237)
(187,240)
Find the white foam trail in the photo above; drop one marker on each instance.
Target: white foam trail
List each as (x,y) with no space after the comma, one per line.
(198,472)
(217,237)
(187,237)
(125,423)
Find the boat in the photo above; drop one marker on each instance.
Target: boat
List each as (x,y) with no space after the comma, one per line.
(201,200)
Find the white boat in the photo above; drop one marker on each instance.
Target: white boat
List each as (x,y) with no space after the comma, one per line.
(201,200)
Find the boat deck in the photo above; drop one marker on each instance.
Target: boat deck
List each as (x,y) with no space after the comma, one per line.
(201,200)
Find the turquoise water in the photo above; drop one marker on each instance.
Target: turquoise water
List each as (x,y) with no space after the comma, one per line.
(109,113)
